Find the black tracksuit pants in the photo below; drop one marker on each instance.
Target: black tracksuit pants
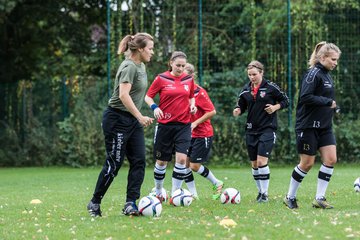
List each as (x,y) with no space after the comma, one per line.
(124,136)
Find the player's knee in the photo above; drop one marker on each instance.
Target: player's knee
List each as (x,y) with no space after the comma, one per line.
(181,161)
(306,166)
(262,162)
(161,163)
(330,162)
(194,167)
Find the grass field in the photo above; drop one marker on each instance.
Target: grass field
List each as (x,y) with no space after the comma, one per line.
(65,193)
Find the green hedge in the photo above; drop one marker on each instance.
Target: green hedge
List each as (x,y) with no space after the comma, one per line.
(78,142)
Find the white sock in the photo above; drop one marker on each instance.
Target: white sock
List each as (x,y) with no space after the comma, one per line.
(178,176)
(296,178)
(190,182)
(324,176)
(255,173)
(264,173)
(159,176)
(206,173)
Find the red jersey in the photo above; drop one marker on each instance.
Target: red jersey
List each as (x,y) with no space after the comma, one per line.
(175,94)
(204,105)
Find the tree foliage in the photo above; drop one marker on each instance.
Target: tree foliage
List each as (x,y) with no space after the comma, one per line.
(53,73)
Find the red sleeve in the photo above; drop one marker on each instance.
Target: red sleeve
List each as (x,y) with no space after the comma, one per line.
(155,87)
(204,102)
(192,89)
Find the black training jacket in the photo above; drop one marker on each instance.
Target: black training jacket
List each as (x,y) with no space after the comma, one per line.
(258,120)
(316,95)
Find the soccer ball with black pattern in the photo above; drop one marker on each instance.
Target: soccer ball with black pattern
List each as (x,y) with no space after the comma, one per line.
(230,196)
(181,197)
(357,185)
(150,206)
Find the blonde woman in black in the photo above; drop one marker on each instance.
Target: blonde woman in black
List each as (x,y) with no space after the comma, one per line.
(314,114)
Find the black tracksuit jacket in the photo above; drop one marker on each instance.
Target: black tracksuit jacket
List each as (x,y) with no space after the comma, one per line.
(316,95)
(258,120)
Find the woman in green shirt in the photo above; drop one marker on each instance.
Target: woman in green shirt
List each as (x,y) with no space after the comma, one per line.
(123,123)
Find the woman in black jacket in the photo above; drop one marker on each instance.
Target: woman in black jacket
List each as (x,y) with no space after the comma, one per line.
(261,98)
(314,114)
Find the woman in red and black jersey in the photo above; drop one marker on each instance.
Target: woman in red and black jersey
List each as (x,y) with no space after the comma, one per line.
(173,131)
(201,141)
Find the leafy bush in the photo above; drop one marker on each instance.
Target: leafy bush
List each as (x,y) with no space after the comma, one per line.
(348,138)
(80,139)
(10,145)
(36,149)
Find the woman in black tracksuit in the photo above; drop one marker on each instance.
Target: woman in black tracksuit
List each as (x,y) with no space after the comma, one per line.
(123,124)
(314,114)
(261,98)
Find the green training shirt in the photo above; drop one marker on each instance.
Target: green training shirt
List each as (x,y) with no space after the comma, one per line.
(135,74)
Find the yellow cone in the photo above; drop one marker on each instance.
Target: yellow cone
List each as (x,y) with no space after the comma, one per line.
(35,201)
(227,222)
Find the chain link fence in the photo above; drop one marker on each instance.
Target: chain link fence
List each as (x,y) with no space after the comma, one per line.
(220,39)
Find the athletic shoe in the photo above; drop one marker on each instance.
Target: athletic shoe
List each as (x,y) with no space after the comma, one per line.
(171,201)
(321,203)
(195,197)
(94,209)
(290,202)
(160,197)
(130,209)
(217,188)
(258,197)
(263,198)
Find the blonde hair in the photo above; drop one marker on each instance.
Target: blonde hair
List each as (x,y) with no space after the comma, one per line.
(256,64)
(189,68)
(322,49)
(131,43)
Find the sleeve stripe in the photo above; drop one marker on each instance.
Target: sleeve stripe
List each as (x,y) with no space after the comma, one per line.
(311,75)
(246,91)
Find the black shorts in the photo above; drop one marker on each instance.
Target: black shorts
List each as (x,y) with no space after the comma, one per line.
(199,150)
(171,136)
(260,144)
(308,141)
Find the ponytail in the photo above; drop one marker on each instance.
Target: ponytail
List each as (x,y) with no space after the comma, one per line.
(123,46)
(322,49)
(134,42)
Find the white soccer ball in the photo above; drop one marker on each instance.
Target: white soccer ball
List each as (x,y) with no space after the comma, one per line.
(163,193)
(181,197)
(230,196)
(150,206)
(357,185)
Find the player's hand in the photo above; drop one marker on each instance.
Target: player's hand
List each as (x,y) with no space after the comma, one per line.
(158,114)
(193,126)
(333,105)
(146,121)
(270,109)
(193,109)
(236,112)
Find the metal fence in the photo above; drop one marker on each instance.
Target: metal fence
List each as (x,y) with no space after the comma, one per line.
(220,39)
